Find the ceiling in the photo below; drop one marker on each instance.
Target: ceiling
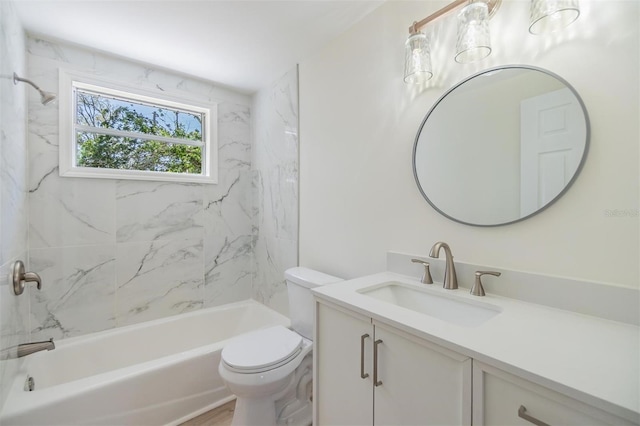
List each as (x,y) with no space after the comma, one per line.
(241,44)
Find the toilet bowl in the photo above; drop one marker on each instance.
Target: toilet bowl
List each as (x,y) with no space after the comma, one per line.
(259,368)
(270,370)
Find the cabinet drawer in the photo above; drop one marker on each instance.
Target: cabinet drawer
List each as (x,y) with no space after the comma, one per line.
(500,398)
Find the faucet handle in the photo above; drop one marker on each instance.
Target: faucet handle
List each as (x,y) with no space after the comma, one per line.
(426,276)
(19,277)
(477,289)
(32,277)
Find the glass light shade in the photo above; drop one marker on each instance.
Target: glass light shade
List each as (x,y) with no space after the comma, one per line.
(474,41)
(417,60)
(548,16)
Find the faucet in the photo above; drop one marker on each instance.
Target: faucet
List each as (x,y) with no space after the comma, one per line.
(450,279)
(31,348)
(25,349)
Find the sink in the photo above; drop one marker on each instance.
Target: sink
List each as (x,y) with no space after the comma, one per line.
(447,308)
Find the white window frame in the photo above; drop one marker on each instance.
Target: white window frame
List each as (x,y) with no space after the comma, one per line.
(69,81)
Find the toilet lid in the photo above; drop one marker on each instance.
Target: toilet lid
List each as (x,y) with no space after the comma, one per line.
(260,349)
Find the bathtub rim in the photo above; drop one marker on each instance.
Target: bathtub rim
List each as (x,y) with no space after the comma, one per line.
(72,341)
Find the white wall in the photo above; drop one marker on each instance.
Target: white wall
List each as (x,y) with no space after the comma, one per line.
(358,121)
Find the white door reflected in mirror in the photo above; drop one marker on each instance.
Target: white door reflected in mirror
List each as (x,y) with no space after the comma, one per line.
(552,135)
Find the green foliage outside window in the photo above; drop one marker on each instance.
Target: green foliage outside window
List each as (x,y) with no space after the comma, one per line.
(117,152)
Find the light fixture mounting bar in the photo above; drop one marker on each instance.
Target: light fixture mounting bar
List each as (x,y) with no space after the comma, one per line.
(493,6)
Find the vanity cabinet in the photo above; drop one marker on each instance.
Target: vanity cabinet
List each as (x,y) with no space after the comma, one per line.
(421,383)
(390,351)
(500,398)
(369,373)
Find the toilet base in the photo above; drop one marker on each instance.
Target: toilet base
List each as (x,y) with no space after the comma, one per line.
(290,407)
(254,412)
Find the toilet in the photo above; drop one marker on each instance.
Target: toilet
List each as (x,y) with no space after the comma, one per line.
(270,370)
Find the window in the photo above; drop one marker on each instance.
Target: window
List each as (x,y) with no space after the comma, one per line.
(108,131)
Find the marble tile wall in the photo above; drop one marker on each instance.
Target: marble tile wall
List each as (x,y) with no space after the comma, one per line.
(275,180)
(14,311)
(117,252)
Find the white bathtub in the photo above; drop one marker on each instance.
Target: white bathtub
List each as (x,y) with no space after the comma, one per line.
(160,372)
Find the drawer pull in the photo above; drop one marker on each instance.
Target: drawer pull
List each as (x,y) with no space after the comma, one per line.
(376,382)
(363,375)
(522,413)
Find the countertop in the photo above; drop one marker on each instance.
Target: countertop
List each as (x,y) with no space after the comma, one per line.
(593,360)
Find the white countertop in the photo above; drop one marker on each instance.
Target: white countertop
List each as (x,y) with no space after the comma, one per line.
(593,360)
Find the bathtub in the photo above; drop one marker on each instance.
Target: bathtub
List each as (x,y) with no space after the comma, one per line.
(160,372)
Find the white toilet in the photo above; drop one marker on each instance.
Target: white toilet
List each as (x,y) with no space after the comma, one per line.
(270,370)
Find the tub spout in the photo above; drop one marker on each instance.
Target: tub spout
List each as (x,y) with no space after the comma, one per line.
(31,348)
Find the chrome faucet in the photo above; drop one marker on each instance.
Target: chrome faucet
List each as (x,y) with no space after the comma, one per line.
(450,279)
(31,348)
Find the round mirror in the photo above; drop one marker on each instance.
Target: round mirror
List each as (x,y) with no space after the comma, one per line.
(501,146)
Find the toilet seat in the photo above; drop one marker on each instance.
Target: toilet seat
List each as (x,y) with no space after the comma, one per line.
(262,350)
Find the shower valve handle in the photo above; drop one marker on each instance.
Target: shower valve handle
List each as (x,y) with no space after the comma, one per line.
(20,277)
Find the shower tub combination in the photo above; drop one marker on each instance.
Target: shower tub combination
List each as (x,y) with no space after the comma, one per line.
(160,372)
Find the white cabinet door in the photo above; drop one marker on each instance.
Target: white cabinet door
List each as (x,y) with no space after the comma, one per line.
(500,398)
(341,395)
(422,383)
(419,383)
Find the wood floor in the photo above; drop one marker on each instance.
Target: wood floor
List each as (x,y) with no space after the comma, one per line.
(220,416)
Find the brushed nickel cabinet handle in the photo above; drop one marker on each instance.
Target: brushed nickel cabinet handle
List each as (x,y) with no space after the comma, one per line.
(522,413)
(363,375)
(376,382)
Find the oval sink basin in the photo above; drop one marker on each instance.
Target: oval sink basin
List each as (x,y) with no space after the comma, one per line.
(447,308)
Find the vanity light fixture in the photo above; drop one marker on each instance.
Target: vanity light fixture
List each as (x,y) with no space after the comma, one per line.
(548,16)
(417,63)
(45,97)
(473,42)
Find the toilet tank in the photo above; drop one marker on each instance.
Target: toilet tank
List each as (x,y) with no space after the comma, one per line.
(300,281)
